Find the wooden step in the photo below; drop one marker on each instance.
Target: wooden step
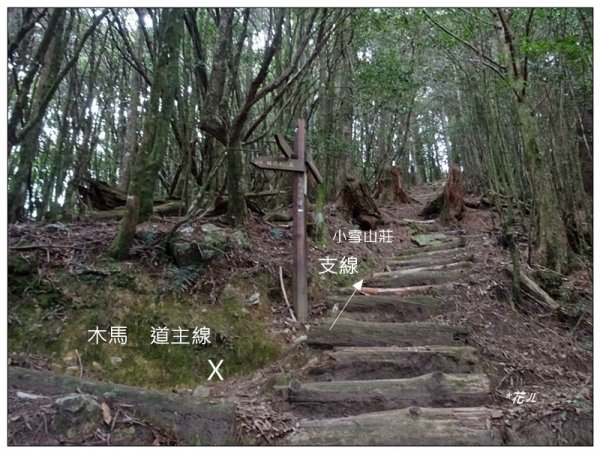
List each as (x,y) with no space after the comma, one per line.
(418,253)
(347,332)
(340,398)
(387,308)
(431,290)
(365,363)
(433,260)
(452,244)
(418,277)
(419,270)
(411,426)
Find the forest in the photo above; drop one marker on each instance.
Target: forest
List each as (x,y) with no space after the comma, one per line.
(127,128)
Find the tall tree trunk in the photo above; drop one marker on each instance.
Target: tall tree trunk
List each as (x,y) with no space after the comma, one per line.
(346,109)
(20,183)
(156,128)
(236,204)
(130,144)
(86,125)
(550,233)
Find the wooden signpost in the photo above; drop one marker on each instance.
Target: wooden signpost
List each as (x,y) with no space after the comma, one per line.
(298,161)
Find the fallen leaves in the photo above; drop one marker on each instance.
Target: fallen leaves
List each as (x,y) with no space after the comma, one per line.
(261,422)
(106,415)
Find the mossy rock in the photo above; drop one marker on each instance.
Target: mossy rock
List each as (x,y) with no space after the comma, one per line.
(212,244)
(77,417)
(242,239)
(424,240)
(215,237)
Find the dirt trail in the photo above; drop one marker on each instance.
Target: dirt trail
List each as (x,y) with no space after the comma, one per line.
(389,376)
(400,367)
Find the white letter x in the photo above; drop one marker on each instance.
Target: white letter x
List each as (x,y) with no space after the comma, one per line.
(215,370)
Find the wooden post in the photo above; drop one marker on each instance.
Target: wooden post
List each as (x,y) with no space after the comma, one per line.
(299,282)
(299,161)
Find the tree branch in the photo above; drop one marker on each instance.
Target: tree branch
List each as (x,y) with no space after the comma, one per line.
(251,96)
(498,67)
(199,67)
(41,111)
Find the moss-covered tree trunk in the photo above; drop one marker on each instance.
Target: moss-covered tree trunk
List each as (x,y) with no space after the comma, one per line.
(155,135)
(549,230)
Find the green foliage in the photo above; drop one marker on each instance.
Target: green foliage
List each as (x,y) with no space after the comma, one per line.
(53,320)
(182,279)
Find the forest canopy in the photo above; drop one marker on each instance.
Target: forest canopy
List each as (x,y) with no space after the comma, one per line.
(172,104)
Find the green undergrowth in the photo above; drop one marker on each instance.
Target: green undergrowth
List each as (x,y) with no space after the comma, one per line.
(51,317)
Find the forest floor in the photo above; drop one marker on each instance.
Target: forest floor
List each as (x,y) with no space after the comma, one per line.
(61,285)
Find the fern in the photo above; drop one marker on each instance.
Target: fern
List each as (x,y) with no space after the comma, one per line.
(184,278)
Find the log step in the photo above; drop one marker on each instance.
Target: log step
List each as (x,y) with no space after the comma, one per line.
(410,426)
(335,398)
(432,290)
(387,308)
(364,363)
(419,270)
(433,260)
(452,244)
(356,333)
(418,253)
(419,277)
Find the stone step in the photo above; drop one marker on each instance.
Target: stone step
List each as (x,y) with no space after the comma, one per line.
(425,426)
(366,363)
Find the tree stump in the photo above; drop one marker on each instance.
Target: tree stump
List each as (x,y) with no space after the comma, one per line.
(390,188)
(361,207)
(449,205)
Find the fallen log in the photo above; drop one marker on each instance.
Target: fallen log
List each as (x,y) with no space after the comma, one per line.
(412,426)
(423,276)
(194,422)
(355,333)
(171,208)
(100,195)
(387,308)
(334,398)
(387,362)
(532,289)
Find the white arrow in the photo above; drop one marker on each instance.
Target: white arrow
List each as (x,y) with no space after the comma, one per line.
(357,287)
